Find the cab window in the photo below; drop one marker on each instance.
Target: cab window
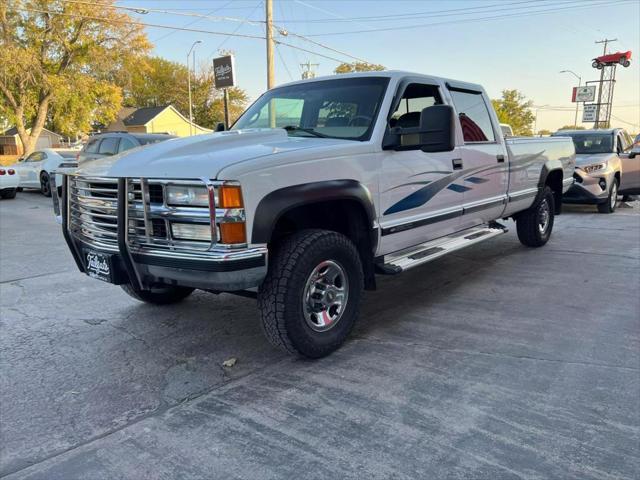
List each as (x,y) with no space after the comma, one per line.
(473,115)
(415,98)
(126,144)
(108,146)
(36,157)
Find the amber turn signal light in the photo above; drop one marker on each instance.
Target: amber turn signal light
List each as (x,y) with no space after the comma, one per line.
(230,196)
(233,232)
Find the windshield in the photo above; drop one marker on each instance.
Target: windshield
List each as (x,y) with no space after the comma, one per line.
(592,142)
(341,108)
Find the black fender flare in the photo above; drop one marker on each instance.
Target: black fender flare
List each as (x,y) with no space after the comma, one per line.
(549,167)
(275,204)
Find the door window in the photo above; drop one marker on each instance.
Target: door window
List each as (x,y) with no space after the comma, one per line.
(474,116)
(415,98)
(108,146)
(126,144)
(92,146)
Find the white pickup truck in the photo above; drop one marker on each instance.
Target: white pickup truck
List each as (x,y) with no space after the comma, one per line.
(319,186)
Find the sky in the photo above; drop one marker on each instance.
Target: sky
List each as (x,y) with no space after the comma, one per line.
(501,44)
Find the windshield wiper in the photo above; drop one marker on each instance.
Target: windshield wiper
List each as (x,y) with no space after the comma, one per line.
(311,131)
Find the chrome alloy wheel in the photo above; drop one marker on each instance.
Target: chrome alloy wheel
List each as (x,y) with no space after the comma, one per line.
(544,215)
(325,296)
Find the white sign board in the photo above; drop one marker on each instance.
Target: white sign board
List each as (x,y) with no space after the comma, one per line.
(589,113)
(584,94)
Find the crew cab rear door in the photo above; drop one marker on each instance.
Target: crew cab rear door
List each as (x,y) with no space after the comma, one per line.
(485,161)
(416,203)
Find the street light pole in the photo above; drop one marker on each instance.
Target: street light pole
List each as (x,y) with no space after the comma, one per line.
(575,120)
(189,83)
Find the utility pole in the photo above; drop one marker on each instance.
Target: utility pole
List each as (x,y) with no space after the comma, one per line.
(270,44)
(606,41)
(309,70)
(575,121)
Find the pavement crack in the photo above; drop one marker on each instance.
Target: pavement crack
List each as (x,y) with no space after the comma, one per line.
(33,276)
(495,354)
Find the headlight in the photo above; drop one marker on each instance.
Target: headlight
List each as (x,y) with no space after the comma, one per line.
(594,168)
(187,195)
(191,231)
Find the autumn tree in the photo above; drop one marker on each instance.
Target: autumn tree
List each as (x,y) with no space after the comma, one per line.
(513,108)
(58,61)
(163,82)
(358,67)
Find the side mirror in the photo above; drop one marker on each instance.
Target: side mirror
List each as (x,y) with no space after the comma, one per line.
(436,132)
(220,127)
(632,154)
(20,159)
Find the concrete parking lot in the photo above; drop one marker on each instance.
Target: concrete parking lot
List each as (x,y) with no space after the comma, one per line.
(498,362)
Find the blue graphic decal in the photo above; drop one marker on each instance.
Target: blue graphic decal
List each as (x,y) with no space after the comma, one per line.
(476,180)
(458,188)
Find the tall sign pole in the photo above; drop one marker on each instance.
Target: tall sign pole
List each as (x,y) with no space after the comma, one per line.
(605,90)
(224,78)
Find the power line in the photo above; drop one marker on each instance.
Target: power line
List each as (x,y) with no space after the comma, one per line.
(192,22)
(141,24)
(478,19)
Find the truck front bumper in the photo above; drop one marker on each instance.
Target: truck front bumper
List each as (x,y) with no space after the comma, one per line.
(217,269)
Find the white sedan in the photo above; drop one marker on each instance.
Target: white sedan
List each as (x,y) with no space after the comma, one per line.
(35,169)
(8,182)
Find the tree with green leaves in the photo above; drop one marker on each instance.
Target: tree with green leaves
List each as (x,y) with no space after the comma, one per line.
(358,67)
(58,62)
(163,82)
(513,108)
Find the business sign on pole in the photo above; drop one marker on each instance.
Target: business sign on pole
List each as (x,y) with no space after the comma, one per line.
(584,94)
(589,113)
(223,72)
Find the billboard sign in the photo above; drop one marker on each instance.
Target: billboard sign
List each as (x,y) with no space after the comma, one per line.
(584,94)
(589,114)
(223,72)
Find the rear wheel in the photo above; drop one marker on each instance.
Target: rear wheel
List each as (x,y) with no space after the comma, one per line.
(310,299)
(534,225)
(610,205)
(45,186)
(158,296)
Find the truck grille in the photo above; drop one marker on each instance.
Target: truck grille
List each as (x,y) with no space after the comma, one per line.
(93,211)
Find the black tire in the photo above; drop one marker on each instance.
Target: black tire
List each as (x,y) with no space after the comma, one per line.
(610,205)
(281,295)
(158,296)
(45,186)
(11,193)
(533,230)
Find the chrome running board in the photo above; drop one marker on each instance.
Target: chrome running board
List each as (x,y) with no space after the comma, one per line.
(428,251)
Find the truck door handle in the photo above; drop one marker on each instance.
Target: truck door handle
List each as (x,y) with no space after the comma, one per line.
(457,163)
(500,158)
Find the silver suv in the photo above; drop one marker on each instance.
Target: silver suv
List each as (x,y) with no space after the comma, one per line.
(111,143)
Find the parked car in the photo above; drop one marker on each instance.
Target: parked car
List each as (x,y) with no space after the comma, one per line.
(319,185)
(622,58)
(603,168)
(35,170)
(8,182)
(111,143)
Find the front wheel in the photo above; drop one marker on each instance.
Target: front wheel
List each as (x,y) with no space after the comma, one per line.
(310,299)
(612,199)
(45,186)
(158,296)
(534,225)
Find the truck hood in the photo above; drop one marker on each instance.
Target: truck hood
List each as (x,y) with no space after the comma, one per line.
(592,158)
(201,155)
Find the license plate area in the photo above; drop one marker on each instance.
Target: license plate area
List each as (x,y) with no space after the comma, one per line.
(99,265)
